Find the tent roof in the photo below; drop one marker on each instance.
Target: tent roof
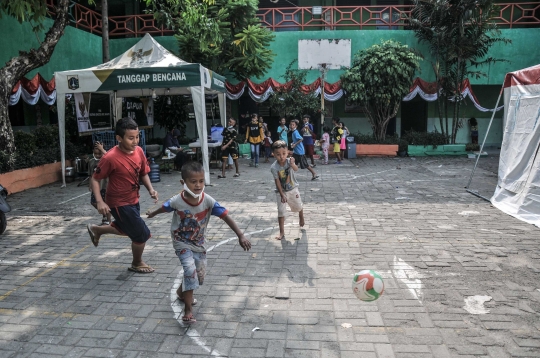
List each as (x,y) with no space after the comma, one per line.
(524,77)
(145,68)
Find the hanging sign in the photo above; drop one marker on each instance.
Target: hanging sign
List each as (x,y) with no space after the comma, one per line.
(141,110)
(93,111)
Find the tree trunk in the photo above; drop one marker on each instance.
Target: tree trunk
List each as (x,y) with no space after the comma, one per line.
(105,30)
(19,66)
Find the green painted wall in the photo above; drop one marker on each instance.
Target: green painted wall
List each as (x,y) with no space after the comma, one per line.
(519,53)
(76,49)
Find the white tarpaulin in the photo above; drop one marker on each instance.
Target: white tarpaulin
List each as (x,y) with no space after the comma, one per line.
(145,69)
(518,188)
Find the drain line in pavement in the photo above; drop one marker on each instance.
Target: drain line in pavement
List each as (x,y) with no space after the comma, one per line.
(74,198)
(178,310)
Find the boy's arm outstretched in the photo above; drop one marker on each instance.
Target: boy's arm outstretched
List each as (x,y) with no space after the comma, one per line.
(151,214)
(244,243)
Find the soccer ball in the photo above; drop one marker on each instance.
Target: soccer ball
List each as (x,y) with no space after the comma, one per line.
(367,285)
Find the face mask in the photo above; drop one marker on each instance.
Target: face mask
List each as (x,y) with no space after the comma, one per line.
(196,196)
(230,127)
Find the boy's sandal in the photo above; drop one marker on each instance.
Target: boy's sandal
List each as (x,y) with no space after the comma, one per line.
(221,176)
(92,235)
(236,175)
(188,319)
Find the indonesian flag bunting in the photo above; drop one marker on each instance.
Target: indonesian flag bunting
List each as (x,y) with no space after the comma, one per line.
(32,90)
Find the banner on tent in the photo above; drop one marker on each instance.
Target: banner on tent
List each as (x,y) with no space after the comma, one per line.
(93,112)
(141,110)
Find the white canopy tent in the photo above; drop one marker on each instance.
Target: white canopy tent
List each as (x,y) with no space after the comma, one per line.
(518,186)
(144,69)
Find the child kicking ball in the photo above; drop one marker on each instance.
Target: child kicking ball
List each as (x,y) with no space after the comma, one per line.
(283,170)
(192,210)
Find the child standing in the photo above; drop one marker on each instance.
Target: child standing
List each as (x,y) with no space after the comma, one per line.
(192,210)
(255,136)
(283,170)
(99,151)
(267,146)
(283,130)
(298,149)
(229,149)
(343,143)
(125,166)
(325,143)
(336,134)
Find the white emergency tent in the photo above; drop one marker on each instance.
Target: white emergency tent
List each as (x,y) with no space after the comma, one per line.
(518,187)
(144,69)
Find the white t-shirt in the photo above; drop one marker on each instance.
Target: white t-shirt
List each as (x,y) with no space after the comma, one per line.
(285,174)
(189,222)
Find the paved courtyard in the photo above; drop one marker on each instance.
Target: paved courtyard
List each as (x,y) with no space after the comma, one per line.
(461,277)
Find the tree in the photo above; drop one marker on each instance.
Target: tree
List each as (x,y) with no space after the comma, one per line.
(459,34)
(34,12)
(290,100)
(172,112)
(378,79)
(229,38)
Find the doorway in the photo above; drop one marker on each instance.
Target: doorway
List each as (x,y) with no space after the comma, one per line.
(414,115)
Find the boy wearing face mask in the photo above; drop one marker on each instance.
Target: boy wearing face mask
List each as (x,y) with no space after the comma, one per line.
(229,147)
(192,210)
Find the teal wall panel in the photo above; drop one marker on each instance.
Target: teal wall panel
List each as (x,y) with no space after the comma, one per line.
(519,54)
(76,49)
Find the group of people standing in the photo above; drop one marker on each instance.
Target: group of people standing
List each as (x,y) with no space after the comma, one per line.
(300,138)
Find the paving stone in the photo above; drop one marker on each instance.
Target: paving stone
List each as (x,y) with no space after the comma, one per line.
(430,256)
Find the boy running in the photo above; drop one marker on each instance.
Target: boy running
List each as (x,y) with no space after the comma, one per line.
(229,147)
(298,149)
(125,165)
(283,170)
(192,210)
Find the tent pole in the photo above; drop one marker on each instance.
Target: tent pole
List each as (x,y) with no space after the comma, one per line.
(484,142)
(61,108)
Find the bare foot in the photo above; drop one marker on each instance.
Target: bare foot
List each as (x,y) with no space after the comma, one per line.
(280,237)
(302,221)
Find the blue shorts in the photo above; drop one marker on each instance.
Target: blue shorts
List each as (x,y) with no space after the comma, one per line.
(127,220)
(194,264)
(93,198)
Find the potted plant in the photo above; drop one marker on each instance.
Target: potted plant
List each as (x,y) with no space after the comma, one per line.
(431,143)
(403,147)
(472,150)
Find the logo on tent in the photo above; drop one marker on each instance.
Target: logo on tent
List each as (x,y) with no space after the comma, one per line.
(137,56)
(73,82)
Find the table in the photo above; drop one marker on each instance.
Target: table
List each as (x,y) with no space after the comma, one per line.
(211,146)
(167,162)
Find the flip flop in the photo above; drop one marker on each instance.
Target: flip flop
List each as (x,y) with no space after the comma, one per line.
(236,175)
(280,237)
(315,177)
(188,319)
(140,269)
(221,177)
(184,302)
(92,236)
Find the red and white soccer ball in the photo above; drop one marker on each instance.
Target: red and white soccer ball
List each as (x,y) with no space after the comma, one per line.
(368,285)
